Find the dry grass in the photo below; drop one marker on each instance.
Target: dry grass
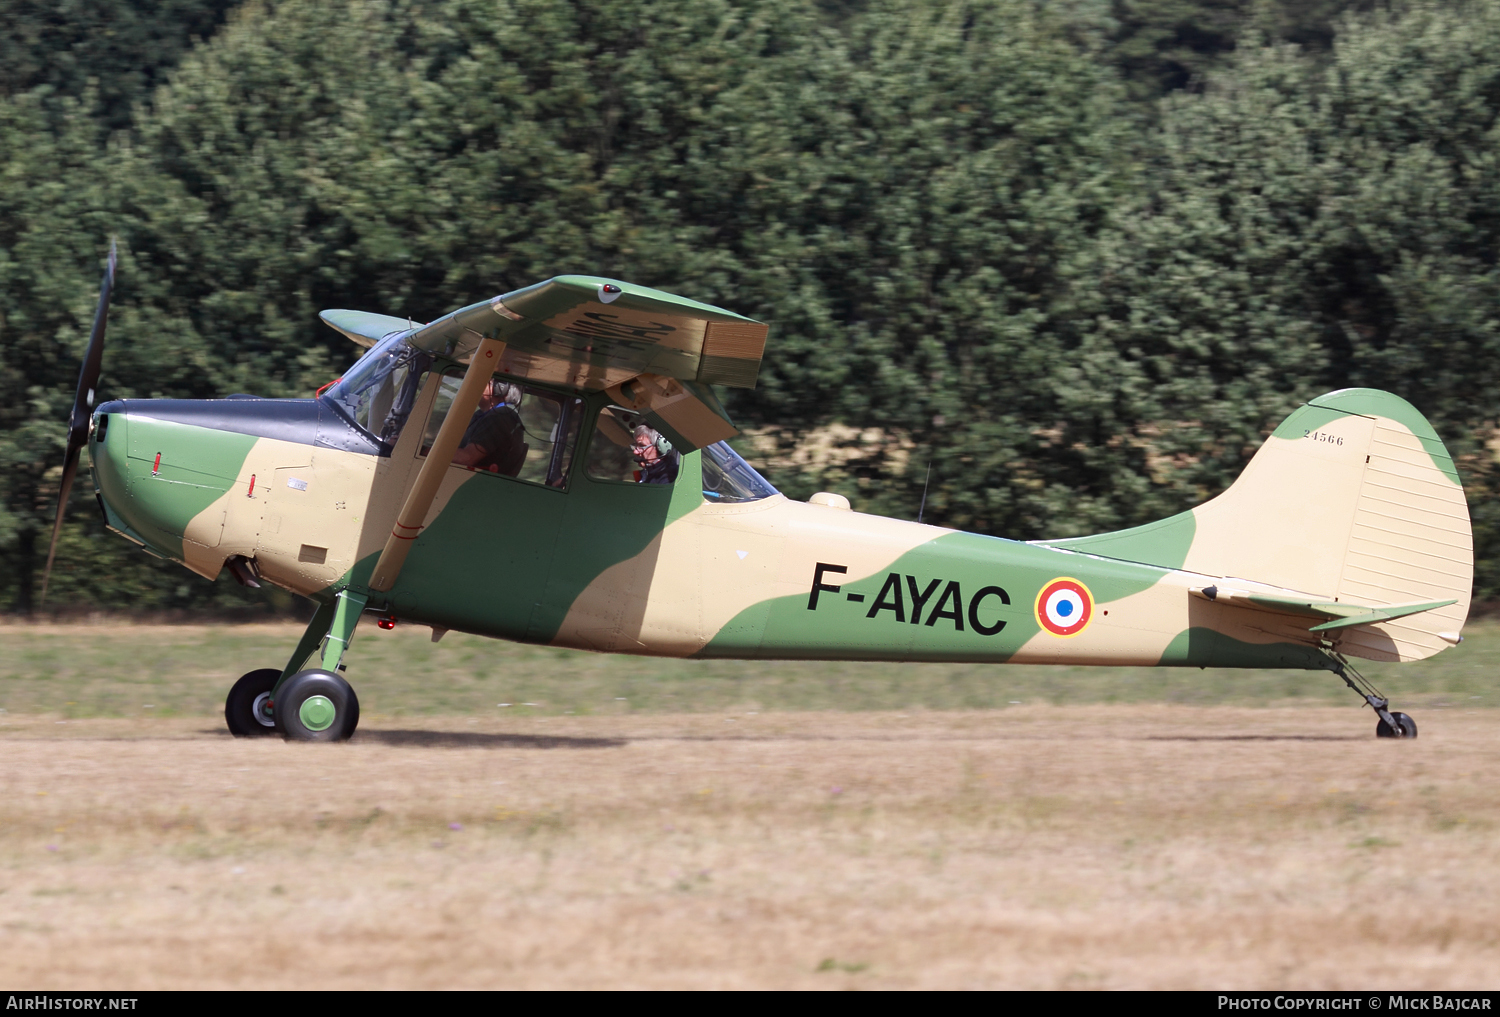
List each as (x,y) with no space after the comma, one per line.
(1078,846)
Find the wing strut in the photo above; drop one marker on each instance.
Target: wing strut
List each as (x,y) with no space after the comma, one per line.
(430,477)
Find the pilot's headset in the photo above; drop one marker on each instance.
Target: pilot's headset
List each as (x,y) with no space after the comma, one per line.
(507,393)
(659,440)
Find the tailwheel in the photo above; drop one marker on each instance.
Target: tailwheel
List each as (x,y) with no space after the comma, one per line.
(1405,727)
(1391,723)
(316,706)
(247,708)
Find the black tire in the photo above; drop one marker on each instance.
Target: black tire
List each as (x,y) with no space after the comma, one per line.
(1408,727)
(299,720)
(251,691)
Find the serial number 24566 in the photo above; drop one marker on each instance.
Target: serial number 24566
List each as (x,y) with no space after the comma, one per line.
(1331,439)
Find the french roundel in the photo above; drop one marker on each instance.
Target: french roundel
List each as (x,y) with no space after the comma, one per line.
(1064,607)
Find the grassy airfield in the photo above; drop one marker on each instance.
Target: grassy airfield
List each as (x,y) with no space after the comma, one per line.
(119,670)
(723,825)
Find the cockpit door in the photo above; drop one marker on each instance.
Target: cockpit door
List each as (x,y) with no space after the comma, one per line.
(482,560)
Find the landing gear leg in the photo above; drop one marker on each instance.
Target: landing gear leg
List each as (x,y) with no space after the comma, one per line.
(318,704)
(1391,724)
(347,607)
(316,630)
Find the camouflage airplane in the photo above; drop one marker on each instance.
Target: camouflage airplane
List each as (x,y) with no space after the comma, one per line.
(617,519)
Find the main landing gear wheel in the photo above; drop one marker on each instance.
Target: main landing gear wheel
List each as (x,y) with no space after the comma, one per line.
(316,706)
(1408,727)
(247,709)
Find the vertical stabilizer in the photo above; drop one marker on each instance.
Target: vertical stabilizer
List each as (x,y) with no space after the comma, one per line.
(1353,498)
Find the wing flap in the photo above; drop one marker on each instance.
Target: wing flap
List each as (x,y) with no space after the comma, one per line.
(687,413)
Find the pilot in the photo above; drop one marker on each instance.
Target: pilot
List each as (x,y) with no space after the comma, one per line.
(655,456)
(495,439)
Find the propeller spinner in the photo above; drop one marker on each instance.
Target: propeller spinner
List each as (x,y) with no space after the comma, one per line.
(83,409)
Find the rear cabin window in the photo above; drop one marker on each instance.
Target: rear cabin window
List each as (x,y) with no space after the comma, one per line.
(519,431)
(613,452)
(625,449)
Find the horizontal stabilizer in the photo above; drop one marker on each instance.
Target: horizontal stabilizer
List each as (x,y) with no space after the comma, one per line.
(365,327)
(1380,614)
(1343,614)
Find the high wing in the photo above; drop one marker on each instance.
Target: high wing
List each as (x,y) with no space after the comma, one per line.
(652,351)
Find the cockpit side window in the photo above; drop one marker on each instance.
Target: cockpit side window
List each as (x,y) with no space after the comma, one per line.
(518,430)
(378,391)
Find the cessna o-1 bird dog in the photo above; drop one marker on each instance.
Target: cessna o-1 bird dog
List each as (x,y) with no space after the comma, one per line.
(551,466)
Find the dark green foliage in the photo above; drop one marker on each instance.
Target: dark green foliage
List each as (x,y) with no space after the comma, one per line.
(925,243)
(1314,225)
(124,47)
(983,242)
(1162,46)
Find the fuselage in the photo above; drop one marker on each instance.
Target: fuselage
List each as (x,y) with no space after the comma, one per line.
(304,493)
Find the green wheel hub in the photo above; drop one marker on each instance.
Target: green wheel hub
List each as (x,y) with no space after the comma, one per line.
(316,713)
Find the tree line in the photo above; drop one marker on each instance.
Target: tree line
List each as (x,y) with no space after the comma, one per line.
(1060,266)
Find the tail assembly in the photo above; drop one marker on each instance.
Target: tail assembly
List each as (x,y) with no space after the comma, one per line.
(1352,510)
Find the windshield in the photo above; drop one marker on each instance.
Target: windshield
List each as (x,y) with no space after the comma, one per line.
(378,391)
(728,478)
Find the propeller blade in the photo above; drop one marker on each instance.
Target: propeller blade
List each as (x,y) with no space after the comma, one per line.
(83,409)
(70,469)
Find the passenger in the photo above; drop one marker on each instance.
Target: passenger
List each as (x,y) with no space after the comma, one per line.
(495,439)
(655,456)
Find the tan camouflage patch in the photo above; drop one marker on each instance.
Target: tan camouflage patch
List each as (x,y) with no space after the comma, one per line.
(721,560)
